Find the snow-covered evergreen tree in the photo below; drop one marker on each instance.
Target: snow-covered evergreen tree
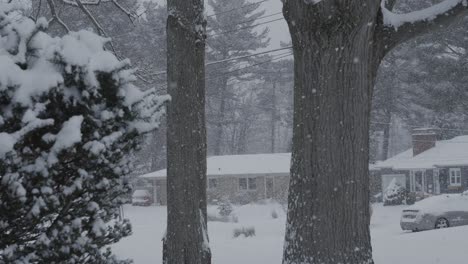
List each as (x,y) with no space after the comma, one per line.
(394,194)
(69,116)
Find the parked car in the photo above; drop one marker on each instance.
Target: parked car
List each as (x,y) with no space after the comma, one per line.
(141,197)
(440,211)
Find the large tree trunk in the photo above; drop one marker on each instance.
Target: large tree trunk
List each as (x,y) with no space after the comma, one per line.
(338,46)
(186,240)
(335,68)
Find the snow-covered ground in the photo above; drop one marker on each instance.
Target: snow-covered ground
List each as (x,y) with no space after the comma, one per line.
(390,244)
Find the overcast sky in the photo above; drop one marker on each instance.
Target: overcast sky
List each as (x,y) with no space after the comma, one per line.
(278,30)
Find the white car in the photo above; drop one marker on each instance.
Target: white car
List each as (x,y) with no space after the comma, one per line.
(440,211)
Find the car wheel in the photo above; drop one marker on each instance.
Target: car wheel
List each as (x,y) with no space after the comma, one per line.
(441,223)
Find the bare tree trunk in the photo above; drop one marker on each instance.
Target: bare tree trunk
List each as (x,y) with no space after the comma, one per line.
(186,239)
(273,117)
(328,205)
(220,119)
(386,134)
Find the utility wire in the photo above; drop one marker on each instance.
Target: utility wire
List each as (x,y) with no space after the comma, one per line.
(251,20)
(242,28)
(235,58)
(275,58)
(226,31)
(278,57)
(234,9)
(416,126)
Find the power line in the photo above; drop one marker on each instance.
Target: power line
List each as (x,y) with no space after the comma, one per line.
(236,58)
(248,56)
(419,126)
(222,12)
(278,57)
(242,28)
(237,8)
(226,31)
(254,19)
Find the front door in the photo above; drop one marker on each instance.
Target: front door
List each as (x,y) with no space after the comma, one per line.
(436,181)
(417,181)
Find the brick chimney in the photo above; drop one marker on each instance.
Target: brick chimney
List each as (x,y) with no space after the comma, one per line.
(423,139)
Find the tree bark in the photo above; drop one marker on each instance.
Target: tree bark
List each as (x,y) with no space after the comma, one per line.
(186,239)
(338,46)
(328,205)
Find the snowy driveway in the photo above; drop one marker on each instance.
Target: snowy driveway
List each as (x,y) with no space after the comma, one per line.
(390,244)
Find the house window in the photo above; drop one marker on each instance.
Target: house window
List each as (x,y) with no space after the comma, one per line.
(455,177)
(247,183)
(212,183)
(252,183)
(242,183)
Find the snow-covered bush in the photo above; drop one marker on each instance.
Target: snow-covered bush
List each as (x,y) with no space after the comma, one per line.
(246,231)
(274,214)
(69,117)
(225,207)
(395,194)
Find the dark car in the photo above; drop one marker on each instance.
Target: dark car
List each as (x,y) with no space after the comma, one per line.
(141,198)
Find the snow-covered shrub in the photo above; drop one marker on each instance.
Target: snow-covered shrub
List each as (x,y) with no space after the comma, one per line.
(214,217)
(274,214)
(69,117)
(225,206)
(222,213)
(395,194)
(244,198)
(246,231)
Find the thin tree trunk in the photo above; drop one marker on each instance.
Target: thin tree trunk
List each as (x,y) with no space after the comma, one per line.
(220,119)
(273,117)
(386,134)
(328,205)
(186,239)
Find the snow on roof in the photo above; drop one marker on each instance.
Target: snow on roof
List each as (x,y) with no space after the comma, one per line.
(249,164)
(391,162)
(278,163)
(452,152)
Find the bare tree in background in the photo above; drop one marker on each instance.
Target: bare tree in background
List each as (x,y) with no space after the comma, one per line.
(338,46)
(186,239)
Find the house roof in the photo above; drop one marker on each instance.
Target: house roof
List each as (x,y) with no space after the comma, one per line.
(249,164)
(446,153)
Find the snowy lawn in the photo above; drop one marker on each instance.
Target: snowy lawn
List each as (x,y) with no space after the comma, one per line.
(390,244)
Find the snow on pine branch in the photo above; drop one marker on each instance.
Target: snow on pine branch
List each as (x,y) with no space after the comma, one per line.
(427,14)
